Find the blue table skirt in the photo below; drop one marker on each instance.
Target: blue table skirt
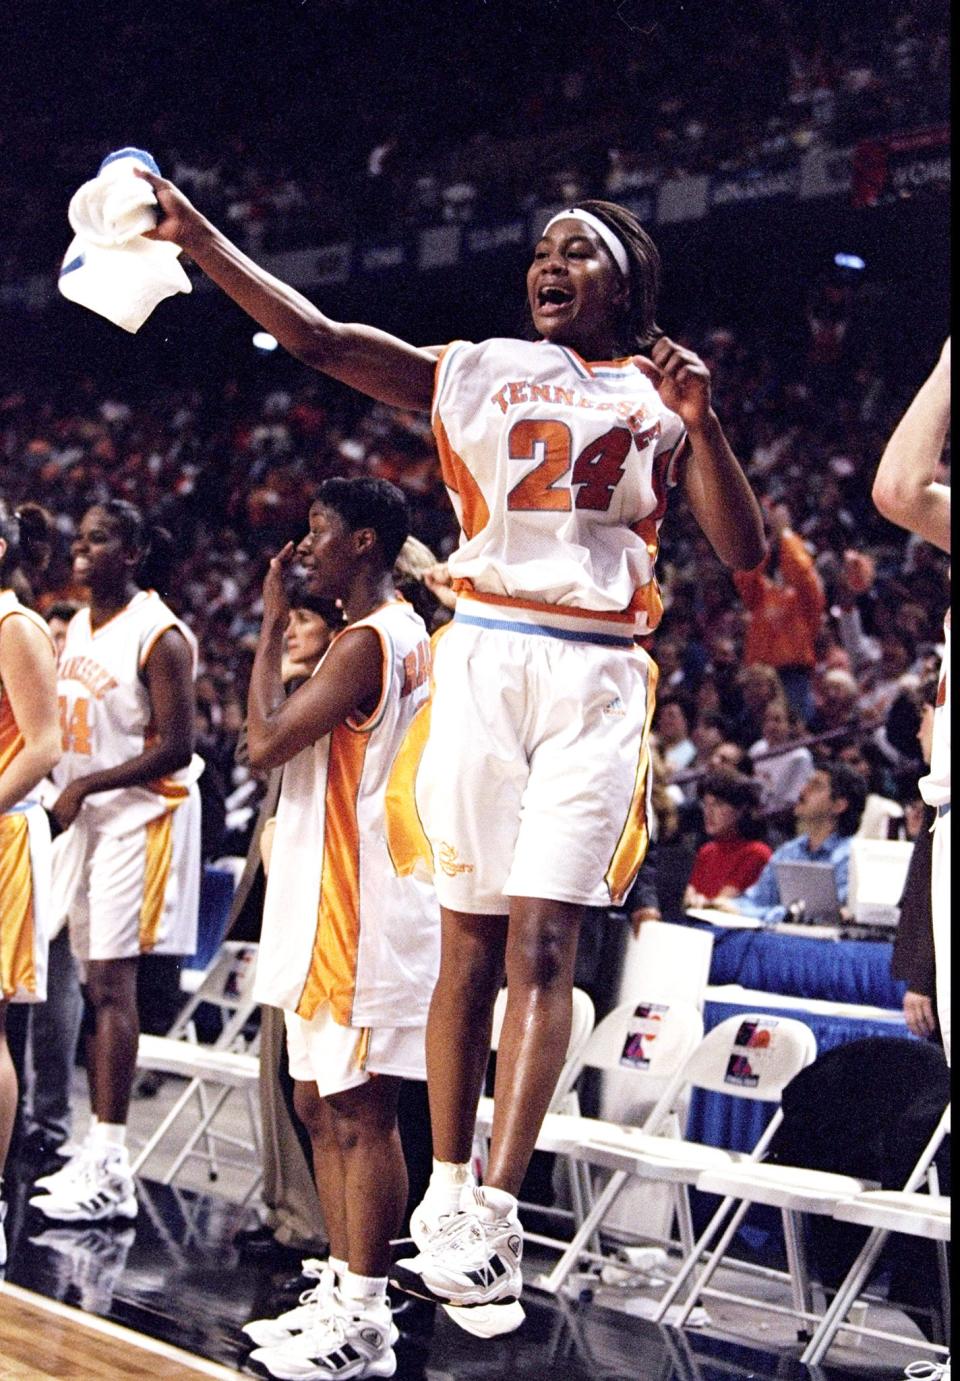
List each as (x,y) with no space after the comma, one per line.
(836,970)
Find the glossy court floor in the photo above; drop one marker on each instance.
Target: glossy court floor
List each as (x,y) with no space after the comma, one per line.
(174,1276)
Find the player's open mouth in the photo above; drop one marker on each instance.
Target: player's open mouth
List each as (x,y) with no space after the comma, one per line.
(552,300)
(80,565)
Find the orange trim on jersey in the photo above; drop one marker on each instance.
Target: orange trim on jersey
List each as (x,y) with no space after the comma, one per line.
(631,847)
(17,968)
(435,396)
(155,637)
(333,963)
(538,606)
(118,615)
(644,365)
(11,739)
(456,476)
(406,839)
(156,871)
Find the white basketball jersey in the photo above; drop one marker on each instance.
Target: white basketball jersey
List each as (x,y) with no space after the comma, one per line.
(105,713)
(935,786)
(339,925)
(558,471)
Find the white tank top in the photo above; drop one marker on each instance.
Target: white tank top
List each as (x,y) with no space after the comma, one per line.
(339,925)
(105,711)
(558,471)
(935,786)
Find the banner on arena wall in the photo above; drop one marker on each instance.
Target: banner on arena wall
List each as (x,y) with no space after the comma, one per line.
(323,266)
(887,170)
(377,258)
(484,238)
(682,199)
(736,189)
(825,172)
(438,247)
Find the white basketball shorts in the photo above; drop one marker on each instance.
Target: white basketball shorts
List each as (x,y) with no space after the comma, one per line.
(337,1058)
(535,777)
(134,893)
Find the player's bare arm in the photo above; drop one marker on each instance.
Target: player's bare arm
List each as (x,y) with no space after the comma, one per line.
(28,673)
(346,686)
(906,490)
(372,361)
(716,488)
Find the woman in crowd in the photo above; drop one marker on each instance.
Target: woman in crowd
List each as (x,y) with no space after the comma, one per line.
(128,874)
(559,456)
(734,855)
(29,749)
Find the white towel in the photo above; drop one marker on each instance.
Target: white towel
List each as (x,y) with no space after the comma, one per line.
(110,268)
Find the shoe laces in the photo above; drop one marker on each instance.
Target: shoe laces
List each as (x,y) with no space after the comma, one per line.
(458,1235)
(927,1371)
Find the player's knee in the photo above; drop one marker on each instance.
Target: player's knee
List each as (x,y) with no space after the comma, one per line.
(541,957)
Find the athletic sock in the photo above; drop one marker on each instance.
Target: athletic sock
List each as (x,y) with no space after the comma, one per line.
(363,1294)
(109,1138)
(446,1184)
(339,1268)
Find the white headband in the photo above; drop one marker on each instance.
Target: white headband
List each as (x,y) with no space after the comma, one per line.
(612,241)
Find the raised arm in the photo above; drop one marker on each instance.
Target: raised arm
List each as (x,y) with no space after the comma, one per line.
(716,487)
(905,489)
(372,361)
(348,680)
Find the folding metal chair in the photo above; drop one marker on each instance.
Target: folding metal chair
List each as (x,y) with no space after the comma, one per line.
(752,1056)
(213,1070)
(885,1211)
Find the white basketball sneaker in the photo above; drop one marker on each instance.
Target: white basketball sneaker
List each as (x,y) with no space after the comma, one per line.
(929,1371)
(343,1344)
(70,1170)
(474,1257)
(103,1188)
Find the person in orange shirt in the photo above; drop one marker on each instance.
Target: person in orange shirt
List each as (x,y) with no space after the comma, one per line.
(785,604)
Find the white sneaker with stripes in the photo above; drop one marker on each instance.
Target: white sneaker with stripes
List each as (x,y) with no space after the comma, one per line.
(70,1170)
(342,1344)
(474,1256)
(103,1187)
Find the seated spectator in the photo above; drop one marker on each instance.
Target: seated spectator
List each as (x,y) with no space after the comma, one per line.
(757,685)
(837,702)
(827,815)
(732,755)
(671,726)
(708,732)
(734,855)
(782,770)
(882,815)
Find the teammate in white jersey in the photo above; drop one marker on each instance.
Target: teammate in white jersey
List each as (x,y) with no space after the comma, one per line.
(908,492)
(29,748)
(127,873)
(348,949)
(558,456)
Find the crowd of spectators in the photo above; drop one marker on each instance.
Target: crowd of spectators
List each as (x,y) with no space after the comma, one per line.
(230,473)
(716,89)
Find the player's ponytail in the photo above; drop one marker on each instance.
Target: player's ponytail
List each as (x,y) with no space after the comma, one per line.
(153,544)
(27,532)
(155,569)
